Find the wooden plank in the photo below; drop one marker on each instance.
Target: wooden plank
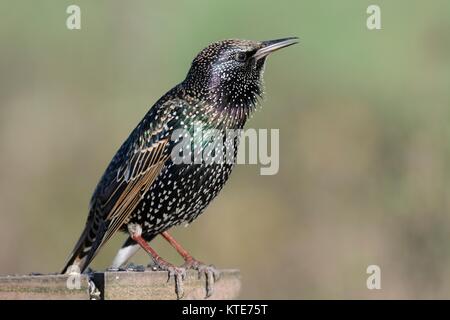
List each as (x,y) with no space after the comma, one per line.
(121,285)
(153,285)
(42,287)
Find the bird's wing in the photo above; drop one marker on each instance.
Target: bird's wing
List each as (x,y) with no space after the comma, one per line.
(144,160)
(139,174)
(126,180)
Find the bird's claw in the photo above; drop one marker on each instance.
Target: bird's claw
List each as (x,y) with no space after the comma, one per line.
(178,274)
(210,272)
(211,276)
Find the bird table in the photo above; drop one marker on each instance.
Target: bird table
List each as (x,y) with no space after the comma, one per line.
(117,285)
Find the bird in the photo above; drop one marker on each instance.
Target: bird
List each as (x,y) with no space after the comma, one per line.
(151,183)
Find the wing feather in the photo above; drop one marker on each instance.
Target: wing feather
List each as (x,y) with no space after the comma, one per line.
(127,179)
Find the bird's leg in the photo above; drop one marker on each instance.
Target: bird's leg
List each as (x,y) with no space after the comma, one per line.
(211,273)
(178,273)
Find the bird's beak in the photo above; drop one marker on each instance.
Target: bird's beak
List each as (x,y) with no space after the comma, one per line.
(273,45)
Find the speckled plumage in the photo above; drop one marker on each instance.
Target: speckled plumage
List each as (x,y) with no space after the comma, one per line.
(142,185)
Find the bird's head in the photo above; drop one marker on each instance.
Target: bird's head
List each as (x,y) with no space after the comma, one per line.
(230,71)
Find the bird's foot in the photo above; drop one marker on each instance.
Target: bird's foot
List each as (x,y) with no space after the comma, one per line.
(210,272)
(178,274)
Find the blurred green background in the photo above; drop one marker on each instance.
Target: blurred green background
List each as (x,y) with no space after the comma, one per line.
(364,128)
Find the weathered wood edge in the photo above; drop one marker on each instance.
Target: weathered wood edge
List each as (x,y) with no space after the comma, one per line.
(121,285)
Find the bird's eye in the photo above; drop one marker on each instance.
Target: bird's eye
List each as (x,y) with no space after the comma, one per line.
(241,57)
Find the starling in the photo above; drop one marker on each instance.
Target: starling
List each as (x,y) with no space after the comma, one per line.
(145,191)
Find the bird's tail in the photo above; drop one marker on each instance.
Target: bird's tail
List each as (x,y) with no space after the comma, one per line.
(86,248)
